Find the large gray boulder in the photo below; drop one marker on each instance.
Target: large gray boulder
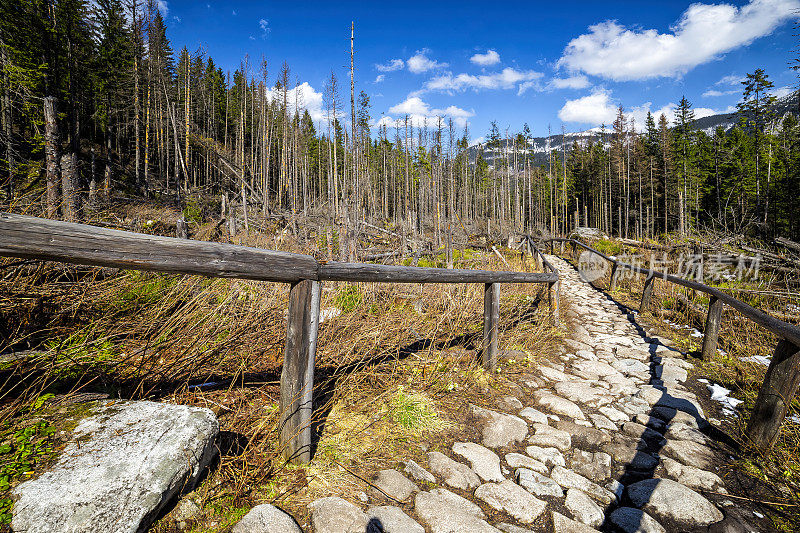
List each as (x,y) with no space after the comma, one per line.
(124,463)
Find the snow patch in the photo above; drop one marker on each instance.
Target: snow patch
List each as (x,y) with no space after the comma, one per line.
(722,395)
(759,359)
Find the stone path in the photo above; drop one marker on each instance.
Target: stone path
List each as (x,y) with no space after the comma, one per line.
(610,439)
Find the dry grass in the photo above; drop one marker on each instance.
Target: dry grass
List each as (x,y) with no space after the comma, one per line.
(396,369)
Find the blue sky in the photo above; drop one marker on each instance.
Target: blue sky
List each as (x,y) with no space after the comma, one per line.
(541,63)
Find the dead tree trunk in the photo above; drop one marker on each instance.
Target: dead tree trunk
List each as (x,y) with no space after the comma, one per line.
(51,154)
(69,188)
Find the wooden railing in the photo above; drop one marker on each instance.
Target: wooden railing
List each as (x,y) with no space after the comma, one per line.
(783,374)
(37,238)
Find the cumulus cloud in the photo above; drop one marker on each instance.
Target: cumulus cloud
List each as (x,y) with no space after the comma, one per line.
(305,96)
(391,65)
(573,82)
(703,33)
(593,109)
(491,57)
(508,78)
(418,111)
(600,108)
(163,8)
(420,62)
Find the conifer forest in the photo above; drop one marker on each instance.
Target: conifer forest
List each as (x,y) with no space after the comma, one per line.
(96,103)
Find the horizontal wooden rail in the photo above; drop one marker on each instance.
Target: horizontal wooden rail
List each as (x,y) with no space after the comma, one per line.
(783,374)
(335,271)
(778,327)
(51,240)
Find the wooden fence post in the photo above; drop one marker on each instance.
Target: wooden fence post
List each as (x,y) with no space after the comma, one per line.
(297,376)
(553,291)
(646,293)
(491,320)
(613,285)
(562,247)
(711,333)
(775,396)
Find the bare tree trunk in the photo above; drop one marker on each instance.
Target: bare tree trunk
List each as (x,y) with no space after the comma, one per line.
(52,145)
(69,187)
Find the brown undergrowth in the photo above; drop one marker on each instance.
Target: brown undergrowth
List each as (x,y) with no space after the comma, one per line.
(396,366)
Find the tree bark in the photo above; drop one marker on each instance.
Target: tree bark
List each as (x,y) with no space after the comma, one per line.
(52,145)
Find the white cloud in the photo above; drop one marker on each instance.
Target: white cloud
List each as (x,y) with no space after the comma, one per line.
(593,109)
(419,111)
(598,108)
(163,8)
(573,82)
(703,33)
(265,29)
(420,62)
(781,92)
(391,66)
(731,79)
(491,57)
(508,78)
(379,78)
(306,97)
(715,92)
(523,87)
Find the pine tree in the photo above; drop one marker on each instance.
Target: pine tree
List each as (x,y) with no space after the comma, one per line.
(756,109)
(684,116)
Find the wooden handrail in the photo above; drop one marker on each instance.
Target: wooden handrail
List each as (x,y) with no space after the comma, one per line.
(52,240)
(780,328)
(783,373)
(36,238)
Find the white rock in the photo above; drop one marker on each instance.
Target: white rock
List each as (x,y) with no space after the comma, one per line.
(336,515)
(670,501)
(571,480)
(393,520)
(537,484)
(562,524)
(513,499)
(266,518)
(550,437)
(500,429)
(417,472)
(548,456)
(583,508)
(632,520)
(535,416)
(484,461)
(445,512)
(518,460)
(146,451)
(455,474)
(558,405)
